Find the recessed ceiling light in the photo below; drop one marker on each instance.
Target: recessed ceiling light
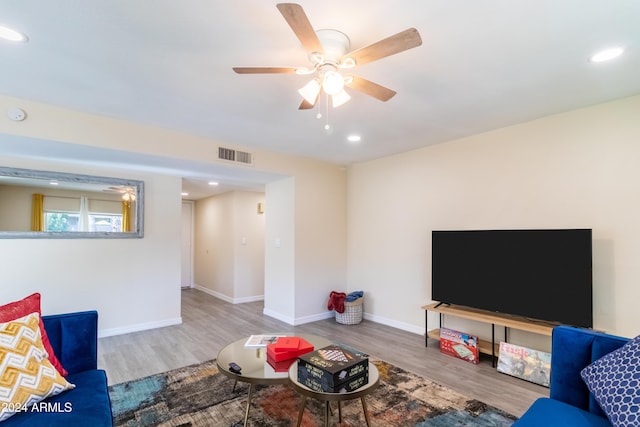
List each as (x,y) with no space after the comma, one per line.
(354,138)
(213,183)
(607,54)
(53,183)
(7,33)
(183,194)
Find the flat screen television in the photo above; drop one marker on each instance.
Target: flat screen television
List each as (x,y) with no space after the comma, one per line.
(539,274)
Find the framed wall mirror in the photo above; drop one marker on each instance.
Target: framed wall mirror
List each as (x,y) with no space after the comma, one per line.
(43,204)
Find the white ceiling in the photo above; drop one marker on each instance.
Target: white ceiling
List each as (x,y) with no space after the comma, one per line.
(483,65)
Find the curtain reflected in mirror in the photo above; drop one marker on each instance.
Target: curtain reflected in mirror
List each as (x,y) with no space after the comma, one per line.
(41,204)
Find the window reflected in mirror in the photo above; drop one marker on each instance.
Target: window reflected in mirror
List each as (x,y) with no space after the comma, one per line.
(50,204)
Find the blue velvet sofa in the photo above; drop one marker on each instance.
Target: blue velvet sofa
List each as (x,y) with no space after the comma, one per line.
(74,338)
(570,403)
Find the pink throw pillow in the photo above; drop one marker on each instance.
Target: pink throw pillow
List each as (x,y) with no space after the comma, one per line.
(31,304)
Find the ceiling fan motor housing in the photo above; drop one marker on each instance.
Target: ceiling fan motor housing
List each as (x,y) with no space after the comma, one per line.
(335,43)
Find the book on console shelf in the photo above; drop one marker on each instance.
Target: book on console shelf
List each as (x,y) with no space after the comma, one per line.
(460,345)
(330,368)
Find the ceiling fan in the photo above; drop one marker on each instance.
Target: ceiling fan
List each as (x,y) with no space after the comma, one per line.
(128,193)
(330,55)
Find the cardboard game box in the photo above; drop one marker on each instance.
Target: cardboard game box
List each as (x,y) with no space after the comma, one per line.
(287,348)
(345,387)
(282,366)
(525,363)
(460,345)
(329,367)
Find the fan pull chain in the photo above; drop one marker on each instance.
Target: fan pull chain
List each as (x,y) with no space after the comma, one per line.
(327,126)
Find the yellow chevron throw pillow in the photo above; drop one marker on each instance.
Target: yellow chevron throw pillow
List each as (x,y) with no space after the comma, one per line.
(26,375)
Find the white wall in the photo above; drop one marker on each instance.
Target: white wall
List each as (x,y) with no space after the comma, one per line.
(249,246)
(574,170)
(307,215)
(280,250)
(320,241)
(133,283)
(213,246)
(229,246)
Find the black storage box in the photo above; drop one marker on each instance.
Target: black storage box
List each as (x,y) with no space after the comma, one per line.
(348,386)
(331,366)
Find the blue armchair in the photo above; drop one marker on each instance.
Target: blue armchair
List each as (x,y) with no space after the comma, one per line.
(570,403)
(74,338)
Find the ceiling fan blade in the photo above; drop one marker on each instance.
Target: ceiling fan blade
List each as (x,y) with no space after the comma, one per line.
(306,105)
(397,43)
(264,70)
(299,23)
(372,89)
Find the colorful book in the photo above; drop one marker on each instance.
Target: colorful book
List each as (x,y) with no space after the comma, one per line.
(261,341)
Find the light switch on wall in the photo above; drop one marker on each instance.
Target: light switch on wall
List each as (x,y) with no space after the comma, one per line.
(243,240)
(277,242)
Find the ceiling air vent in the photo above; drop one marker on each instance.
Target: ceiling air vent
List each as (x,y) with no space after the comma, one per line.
(235,156)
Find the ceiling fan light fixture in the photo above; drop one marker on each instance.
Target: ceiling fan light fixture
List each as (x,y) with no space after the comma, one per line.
(340,98)
(310,91)
(332,82)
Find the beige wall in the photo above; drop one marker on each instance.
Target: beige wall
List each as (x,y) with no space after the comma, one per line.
(573,170)
(229,246)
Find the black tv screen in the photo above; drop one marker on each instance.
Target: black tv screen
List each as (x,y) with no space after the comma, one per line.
(539,274)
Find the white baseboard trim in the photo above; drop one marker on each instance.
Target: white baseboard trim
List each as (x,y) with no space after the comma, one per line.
(394,323)
(278,316)
(248,299)
(227,298)
(330,314)
(298,320)
(102,333)
(314,318)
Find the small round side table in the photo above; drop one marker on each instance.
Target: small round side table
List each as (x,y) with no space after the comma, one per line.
(328,397)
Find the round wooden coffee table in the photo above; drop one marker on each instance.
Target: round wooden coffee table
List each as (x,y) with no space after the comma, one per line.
(255,368)
(327,397)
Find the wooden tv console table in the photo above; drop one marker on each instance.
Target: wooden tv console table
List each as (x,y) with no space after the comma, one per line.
(506,320)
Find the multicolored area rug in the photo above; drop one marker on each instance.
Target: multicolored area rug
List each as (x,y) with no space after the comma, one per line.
(199,395)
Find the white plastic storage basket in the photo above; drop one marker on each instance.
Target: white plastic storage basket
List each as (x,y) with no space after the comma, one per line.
(352,313)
